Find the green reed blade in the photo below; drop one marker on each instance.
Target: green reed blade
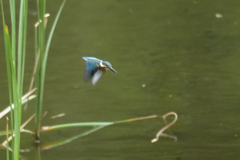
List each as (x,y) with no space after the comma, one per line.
(43,61)
(89,124)
(20,45)
(16,99)
(24,41)
(7,52)
(13,23)
(8,65)
(38,109)
(70,139)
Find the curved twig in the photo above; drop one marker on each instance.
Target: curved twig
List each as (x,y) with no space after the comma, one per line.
(160,133)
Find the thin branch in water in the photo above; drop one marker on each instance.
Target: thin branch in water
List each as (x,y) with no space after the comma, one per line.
(142,118)
(58,115)
(44,114)
(27,121)
(160,133)
(6,144)
(46,19)
(27,131)
(36,24)
(7,136)
(136,119)
(29,93)
(70,139)
(37,58)
(8,109)
(21,130)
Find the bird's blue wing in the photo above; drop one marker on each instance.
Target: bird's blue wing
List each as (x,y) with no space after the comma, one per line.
(91,58)
(90,70)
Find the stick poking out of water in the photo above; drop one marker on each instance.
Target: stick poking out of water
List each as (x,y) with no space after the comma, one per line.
(160,133)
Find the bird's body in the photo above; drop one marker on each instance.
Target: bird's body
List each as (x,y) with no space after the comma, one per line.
(95,68)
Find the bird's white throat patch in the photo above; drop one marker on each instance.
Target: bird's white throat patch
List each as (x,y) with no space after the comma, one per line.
(101,64)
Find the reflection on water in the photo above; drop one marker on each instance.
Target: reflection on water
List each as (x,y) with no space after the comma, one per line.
(170,56)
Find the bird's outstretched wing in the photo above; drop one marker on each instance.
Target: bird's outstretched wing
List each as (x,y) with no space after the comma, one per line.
(90,70)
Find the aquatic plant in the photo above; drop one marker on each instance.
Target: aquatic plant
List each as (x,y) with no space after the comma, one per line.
(15,51)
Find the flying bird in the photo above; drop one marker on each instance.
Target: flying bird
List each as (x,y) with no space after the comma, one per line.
(95,69)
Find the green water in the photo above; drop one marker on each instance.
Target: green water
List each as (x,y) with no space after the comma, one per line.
(187,59)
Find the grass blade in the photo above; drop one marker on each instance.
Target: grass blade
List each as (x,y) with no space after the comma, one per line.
(20,45)
(13,23)
(24,40)
(43,63)
(8,64)
(38,109)
(8,52)
(92,124)
(67,140)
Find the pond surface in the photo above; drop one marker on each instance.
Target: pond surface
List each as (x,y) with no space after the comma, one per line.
(180,56)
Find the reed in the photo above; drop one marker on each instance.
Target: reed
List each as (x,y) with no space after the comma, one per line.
(41,67)
(15,50)
(15,68)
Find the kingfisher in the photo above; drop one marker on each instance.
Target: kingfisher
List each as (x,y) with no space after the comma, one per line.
(95,69)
